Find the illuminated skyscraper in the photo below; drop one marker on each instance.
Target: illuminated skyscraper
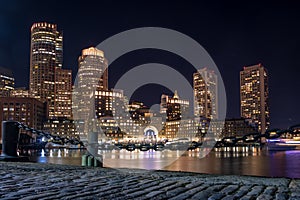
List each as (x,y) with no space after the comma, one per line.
(92,73)
(63,93)
(174,107)
(7,82)
(91,77)
(205,94)
(254,95)
(140,114)
(46,54)
(112,113)
(176,112)
(59,50)
(106,102)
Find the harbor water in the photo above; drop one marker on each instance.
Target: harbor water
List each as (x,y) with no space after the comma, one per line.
(255,162)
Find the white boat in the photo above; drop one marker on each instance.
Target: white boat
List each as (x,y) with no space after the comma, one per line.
(283,144)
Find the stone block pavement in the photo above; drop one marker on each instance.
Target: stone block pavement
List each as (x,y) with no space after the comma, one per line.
(48,181)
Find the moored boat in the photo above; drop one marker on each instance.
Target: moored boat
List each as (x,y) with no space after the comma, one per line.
(283,144)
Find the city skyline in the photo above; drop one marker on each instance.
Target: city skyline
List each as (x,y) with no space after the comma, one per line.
(51,84)
(90,60)
(229,55)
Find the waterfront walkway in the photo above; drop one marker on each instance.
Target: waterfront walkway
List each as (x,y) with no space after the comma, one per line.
(48,181)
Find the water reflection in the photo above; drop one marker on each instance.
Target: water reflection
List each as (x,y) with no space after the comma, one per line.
(252,162)
(56,156)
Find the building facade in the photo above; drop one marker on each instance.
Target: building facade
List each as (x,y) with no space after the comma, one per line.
(45,56)
(254,96)
(7,82)
(176,111)
(20,92)
(205,84)
(91,77)
(63,93)
(238,127)
(117,118)
(92,69)
(174,107)
(29,111)
(61,126)
(48,81)
(111,129)
(107,101)
(140,117)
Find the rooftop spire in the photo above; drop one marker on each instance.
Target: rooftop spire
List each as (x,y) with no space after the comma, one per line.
(176,95)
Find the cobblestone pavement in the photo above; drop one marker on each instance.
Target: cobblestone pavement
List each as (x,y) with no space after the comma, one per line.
(48,181)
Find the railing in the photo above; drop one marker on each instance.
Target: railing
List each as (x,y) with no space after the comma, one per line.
(256,137)
(11,134)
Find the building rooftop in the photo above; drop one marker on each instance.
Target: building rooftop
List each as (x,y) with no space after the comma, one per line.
(6,72)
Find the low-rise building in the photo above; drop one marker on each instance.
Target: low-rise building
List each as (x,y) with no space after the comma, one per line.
(26,110)
(238,127)
(61,126)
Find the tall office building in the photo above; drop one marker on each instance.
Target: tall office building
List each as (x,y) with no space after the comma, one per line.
(46,54)
(63,93)
(7,82)
(205,94)
(106,102)
(174,107)
(113,115)
(140,114)
(59,49)
(176,110)
(92,76)
(92,70)
(254,94)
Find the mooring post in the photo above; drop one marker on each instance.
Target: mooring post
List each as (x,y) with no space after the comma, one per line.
(84,160)
(10,138)
(98,161)
(10,141)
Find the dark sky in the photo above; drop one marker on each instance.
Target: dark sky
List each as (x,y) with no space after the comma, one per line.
(234,34)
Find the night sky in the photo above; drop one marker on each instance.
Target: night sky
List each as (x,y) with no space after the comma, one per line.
(234,34)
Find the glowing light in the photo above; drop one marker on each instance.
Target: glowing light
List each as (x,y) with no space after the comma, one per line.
(92,51)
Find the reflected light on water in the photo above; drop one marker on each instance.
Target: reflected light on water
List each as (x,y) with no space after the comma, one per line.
(66,152)
(59,153)
(43,153)
(238,161)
